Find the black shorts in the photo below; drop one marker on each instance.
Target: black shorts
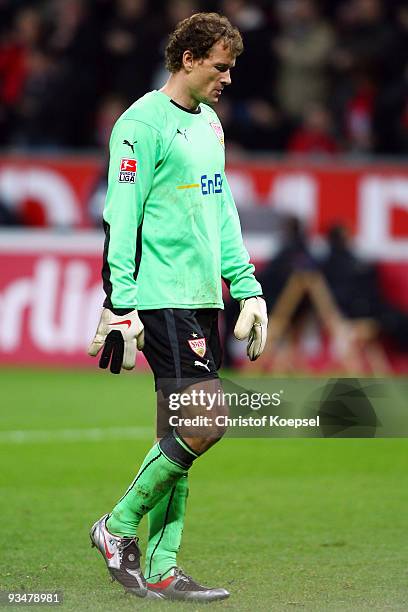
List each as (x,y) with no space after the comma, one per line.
(181,346)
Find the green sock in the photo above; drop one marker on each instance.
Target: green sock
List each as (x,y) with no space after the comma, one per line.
(156,477)
(166,521)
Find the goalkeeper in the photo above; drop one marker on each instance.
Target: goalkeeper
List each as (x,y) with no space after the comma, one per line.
(171,234)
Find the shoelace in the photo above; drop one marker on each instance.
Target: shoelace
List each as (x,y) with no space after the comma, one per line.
(180,574)
(185,578)
(124,543)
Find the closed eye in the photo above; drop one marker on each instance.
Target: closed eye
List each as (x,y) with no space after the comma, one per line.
(223,67)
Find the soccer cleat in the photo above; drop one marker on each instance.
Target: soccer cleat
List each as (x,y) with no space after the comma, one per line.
(122,556)
(179,586)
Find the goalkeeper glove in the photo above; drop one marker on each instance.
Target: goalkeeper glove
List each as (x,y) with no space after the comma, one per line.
(119,335)
(252,324)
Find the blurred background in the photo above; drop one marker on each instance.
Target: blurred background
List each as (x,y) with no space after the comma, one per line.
(316,126)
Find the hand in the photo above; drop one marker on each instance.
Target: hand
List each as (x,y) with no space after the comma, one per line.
(252,323)
(119,335)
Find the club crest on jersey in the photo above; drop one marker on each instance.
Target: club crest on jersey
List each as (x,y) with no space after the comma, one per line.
(219,132)
(198,346)
(127,171)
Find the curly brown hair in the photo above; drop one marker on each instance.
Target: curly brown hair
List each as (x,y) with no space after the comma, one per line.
(198,34)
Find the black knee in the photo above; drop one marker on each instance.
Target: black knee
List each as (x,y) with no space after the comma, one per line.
(177,450)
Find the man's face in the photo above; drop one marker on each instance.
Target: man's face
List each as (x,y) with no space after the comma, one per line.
(209,76)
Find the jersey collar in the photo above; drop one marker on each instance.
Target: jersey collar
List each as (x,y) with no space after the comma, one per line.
(197,111)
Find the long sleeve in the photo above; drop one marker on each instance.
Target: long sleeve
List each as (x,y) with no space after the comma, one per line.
(134,154)
(236,268)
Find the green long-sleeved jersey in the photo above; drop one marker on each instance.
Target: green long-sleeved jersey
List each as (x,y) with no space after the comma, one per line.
(172,228)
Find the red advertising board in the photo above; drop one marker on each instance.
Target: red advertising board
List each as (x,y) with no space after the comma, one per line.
(50,298)
(60,186)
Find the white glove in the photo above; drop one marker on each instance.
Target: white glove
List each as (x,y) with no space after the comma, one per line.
(119,335)
(252,323)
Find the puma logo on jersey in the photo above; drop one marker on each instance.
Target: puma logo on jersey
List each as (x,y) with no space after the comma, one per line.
(203,365)
(132,146)
(183,132)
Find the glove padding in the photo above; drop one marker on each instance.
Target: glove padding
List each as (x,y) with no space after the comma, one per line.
(252,323)
(120,336)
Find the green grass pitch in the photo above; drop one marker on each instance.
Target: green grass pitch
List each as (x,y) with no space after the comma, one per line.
(284,524)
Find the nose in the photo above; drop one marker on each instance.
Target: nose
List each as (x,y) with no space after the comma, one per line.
(226,78)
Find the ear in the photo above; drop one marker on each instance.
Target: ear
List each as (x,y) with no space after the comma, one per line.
(188,60)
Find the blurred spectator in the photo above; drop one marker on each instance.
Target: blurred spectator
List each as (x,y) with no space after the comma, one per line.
(109,110)
(391,108)
(396,53)
(257,125)
(303,48)
(127,60)
(17,43)
(358,115)
(37,110)
(356,288)
(352,281)
(391,117)
(74,35)
(294,255)
(177,11)
(315,135)
(361,62)
(75,43)
(364,37)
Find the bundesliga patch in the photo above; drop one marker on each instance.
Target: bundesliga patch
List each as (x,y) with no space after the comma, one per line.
(198,346)
(128,169)
(218,132)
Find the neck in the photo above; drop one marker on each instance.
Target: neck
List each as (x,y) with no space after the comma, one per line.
(176,89)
